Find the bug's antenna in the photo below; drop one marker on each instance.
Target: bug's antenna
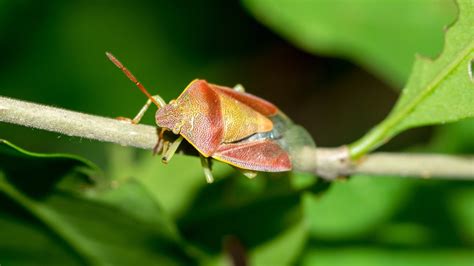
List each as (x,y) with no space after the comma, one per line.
(133,78)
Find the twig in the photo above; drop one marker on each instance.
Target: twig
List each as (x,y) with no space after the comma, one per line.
(329,163)
(76,124)
(332,163)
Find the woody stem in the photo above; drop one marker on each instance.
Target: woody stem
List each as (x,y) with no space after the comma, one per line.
(326,162)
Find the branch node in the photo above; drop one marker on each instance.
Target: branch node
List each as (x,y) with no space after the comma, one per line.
(333,163)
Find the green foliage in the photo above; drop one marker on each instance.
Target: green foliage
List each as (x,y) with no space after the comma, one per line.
(84,217)
(382,38)
(284,249)
(334,216)
(415,223)
(374,256)
(78,223)
(437,92)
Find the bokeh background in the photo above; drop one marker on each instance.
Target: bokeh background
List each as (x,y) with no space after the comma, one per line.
(335,67)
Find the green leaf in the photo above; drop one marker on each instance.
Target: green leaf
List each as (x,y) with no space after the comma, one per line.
(78,222)
(382,38)
(19,165)
(437,92)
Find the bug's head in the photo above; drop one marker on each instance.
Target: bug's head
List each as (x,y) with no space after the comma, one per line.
(170,116)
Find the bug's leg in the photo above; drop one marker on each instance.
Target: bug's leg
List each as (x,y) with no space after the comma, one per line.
(137,117)
(160,143)
(166,145)
(248,173)
(158,147)
(206,166)
(239,88)
(168,154)
(141,113)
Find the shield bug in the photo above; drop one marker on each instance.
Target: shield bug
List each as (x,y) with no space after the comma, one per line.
(222,123)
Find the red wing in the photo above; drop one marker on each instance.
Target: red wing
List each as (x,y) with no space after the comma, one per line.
(262,155)
(258,104)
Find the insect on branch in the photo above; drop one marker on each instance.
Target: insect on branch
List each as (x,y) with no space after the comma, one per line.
(321,161)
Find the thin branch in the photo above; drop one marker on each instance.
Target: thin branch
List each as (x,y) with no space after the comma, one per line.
(76,124)
(332,163)
(329,163)
(422,165)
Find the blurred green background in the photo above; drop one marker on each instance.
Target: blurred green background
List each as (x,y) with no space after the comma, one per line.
(335,67)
